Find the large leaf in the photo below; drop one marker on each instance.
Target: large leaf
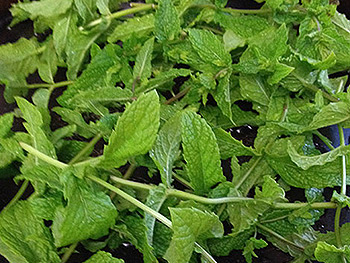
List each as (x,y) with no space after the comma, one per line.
(24,237)
(135,131)
(201,153)
(89,213)
(255,89)
(190,224)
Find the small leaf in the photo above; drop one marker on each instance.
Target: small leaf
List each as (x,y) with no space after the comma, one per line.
(167,22)
(250,246)
(103,257)
(331,254)
(143,67)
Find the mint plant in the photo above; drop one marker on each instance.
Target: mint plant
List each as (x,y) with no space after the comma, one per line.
(165,81)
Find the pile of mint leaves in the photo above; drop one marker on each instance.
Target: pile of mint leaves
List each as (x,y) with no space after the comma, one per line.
(164,81)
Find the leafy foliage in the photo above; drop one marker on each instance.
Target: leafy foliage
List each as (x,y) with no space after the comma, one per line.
(163,93)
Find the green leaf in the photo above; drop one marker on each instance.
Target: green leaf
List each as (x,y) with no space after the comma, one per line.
(333,113)
(44,8)
(190,224)
(167,22)
(166,149)
(137,26)
(162,79)
(232,40)
(25,240)
(135,131)
(93,79)
(341,199)
(250,246)
(254,89)
(75,118)
(103,257)
(86,9)
(331,254)
(222,96)
(143,66)
(223,246)
(34,124)
(281,71)
(89,213)
(209,47)
(137,228)
(47,67)
(17,61)
(201,153)
(229,146)
(155,200)
(305,162)
(6,121)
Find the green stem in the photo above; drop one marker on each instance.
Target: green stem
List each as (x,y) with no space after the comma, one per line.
(69,252)
(19,193)
(85,149)
(274,219)
(129,172)
(147,209)
(222,200)
(133,10)
(183,181)
(132,200)
(315,89)
(324,139)
(50,85)
(273,233)
(337,226)
(342,143)
(318,205)
(177,96)
(247,11)
(132,184)
(43,156)
(244,177)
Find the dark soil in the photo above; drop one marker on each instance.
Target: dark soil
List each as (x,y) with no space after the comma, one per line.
(246,133)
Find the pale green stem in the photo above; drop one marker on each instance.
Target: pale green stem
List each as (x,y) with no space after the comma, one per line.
(50,85)
(182,181)
(43,156)
(245,176)
(69,252)
(247,11)
(273,233)
(222,200)
(337,226)
(130,171)
(19,193)
(85,149)
(324,139)
(133,10)
(342,143)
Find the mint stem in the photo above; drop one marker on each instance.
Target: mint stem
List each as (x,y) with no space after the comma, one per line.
(50,85)
(273,233)
(133,10)
(85,149)
(19,193)
(69,252)
(324,139)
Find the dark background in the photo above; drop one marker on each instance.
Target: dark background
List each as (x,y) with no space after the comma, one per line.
(8,188)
